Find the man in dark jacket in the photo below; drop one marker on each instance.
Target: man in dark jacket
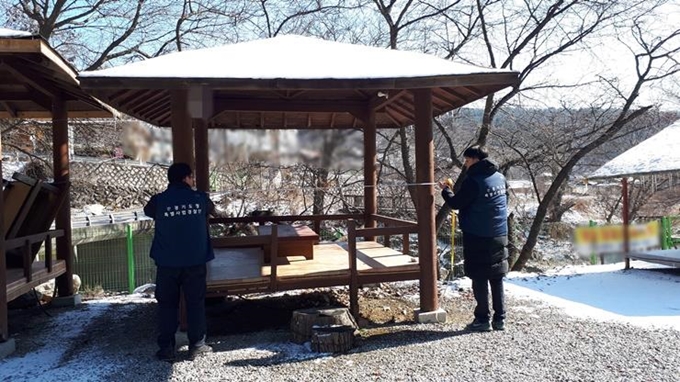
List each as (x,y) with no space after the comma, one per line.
(482,205)
(181,248)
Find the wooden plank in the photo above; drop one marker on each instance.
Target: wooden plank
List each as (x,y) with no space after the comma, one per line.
(17,284)
(236,265)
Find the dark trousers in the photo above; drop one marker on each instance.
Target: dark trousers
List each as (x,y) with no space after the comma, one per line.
(480,288)
(169,281)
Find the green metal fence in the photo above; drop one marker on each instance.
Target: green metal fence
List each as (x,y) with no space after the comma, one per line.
(119,262)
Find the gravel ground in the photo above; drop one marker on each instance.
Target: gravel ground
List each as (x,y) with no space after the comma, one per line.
(540,344)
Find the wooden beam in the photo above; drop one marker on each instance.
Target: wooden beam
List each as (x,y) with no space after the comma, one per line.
(369,84)
(377,102)
(392,118)
(424,147)
(12,112)
(182,135)
(332,122)
(309,106)
(202,154)
(61,163)
(370,171)
(30,79)
(4,327)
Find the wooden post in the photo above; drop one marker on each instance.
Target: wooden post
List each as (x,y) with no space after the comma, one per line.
(353,277)
(4,329)
(200,107)
(425,200)
(370,173)
(202,159)
(60,154)
(274,259)
(182,137)
(625,208)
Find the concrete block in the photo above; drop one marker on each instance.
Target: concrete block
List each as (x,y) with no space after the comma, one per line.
(435,317)
(6,348)
(67,301)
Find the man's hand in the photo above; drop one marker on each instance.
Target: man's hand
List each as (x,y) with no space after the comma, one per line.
(448,183)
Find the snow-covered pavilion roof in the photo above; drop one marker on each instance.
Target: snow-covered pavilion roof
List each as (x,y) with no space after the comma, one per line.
(657,154)
(295,82)
(4,32)
(292,57)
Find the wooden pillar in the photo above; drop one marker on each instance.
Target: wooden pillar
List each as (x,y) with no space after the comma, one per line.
(62,177)
(182,136)
(200,107)
(202,159)
(626,217)
(425,213)
(4,329)
(370,173)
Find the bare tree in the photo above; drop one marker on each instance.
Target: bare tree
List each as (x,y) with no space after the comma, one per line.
(655,59)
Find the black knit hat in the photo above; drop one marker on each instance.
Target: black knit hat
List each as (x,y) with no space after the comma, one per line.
(178,171)
(475,152)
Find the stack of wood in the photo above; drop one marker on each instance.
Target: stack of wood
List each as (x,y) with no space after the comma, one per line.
(329,330)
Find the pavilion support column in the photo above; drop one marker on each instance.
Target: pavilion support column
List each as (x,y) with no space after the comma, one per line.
(182,135)
(202,160)
(200,108)
(425,209)
(61,167)
(370,173)
(4,329)
(626,218)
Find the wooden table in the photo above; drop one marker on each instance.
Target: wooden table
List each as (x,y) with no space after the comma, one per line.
(293,240)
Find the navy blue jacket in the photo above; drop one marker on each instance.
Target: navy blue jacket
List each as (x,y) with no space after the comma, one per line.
(482,205)
(481,201)
(181,237)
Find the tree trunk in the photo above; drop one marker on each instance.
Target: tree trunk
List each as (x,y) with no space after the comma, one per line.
(304,320)
(332,338)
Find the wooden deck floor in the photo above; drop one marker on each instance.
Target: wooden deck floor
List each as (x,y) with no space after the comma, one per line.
(665,256)
(237,269)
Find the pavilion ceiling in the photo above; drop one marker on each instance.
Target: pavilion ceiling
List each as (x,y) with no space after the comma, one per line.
(32,74)
(301,104)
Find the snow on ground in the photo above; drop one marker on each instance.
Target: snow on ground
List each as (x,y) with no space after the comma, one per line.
(645,296)
(50,361)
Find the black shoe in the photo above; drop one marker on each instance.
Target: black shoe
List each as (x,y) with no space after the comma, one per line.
(196,351)
(166,354)
(479,326)
(498,325)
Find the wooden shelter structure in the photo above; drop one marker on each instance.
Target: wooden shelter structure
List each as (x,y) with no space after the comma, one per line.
(36,82)
(295,82)
(657,154)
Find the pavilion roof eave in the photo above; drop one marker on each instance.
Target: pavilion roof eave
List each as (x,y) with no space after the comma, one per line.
(103,83)
(43,70)
(632,174)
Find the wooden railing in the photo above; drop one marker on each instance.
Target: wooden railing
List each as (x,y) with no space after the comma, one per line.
(315,219)
(394,227)
(25,244)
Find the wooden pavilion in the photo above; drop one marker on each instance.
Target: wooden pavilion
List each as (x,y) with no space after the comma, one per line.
(295,82)
(655,155)
(36,82)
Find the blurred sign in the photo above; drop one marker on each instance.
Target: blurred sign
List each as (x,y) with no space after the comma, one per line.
(609,239)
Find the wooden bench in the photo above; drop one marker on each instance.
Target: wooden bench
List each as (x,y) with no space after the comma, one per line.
(293,240)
